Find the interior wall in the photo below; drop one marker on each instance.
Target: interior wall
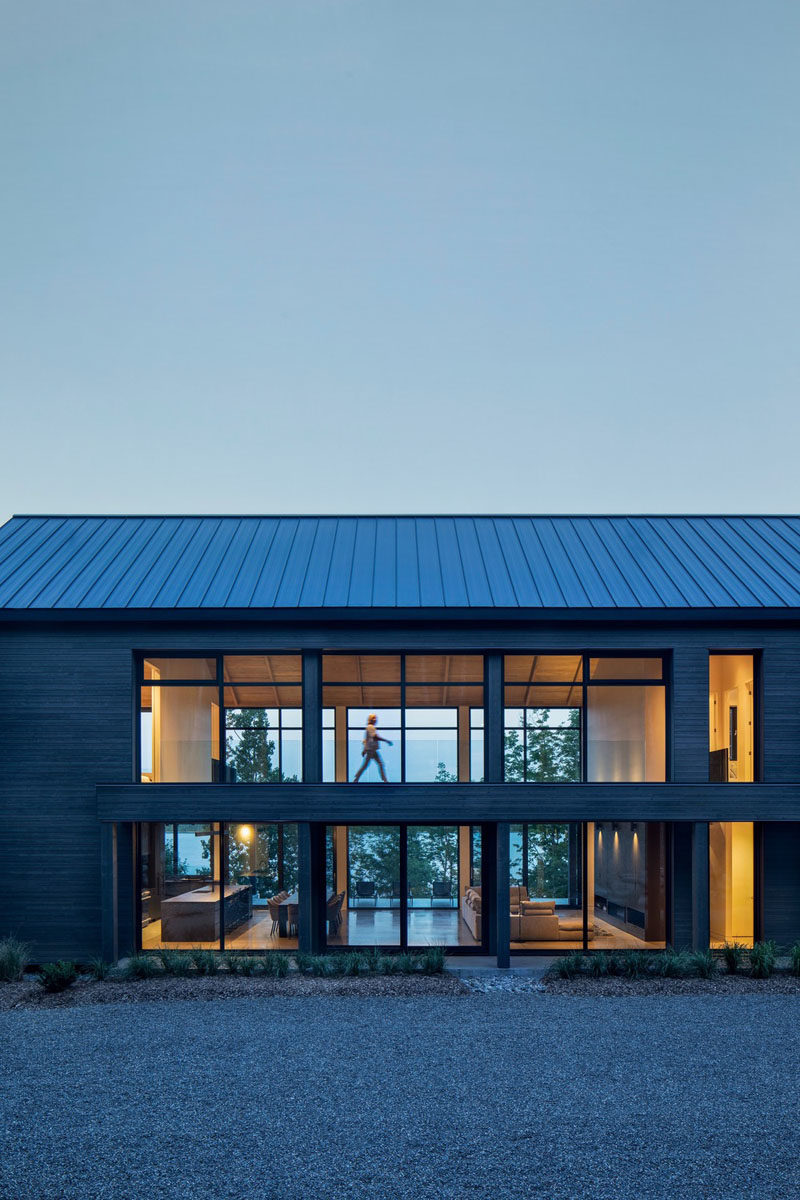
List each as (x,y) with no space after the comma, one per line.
(731,881)
(730,683)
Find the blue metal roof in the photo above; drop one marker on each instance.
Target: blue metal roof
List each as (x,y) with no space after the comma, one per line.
(436,562)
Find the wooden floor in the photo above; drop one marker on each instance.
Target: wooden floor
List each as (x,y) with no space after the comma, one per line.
(381,927)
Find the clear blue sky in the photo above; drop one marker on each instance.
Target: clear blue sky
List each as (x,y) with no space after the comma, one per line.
(360,255)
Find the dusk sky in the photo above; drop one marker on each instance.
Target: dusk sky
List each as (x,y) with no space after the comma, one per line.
(409,256)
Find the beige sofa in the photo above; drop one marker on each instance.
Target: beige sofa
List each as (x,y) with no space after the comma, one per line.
(531,920)
(471,911)
(536,921)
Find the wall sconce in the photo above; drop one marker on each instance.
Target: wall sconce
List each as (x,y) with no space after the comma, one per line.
(634,826)
(244,833)
(615,826)
(598,826)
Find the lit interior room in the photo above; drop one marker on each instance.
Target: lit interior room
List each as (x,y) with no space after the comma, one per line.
(182,896)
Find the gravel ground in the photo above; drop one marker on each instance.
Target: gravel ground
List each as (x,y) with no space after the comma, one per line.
(220,987)
(720,985)
(470,1096)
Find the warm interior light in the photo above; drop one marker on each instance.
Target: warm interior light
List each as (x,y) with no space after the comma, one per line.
(244,833)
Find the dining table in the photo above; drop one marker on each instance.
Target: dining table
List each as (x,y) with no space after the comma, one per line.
(283,911)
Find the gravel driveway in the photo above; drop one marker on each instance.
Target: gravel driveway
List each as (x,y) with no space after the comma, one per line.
(507,1096)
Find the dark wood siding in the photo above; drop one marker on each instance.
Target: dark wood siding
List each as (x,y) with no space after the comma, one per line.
(781,875)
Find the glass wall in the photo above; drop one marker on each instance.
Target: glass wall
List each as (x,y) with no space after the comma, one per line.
(627,877)
(364,901)
(181,892)
(731,878)
(547,700)
(546,887)
(731,720)
(612,876)
(391,885)
(402,717)
(231,886)
(237,718)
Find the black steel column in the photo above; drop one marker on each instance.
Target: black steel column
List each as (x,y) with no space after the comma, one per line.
(493,717)
(312,717)
(501,894)
(701,913)
(311,861)
(495,889)
(108,892)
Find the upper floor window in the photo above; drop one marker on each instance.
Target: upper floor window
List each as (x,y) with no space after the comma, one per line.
(577,717)
(397,717)
(731,724)
(222,717)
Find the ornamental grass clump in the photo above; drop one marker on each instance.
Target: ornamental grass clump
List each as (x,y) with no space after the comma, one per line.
(405,963)
(635,963)
(432,960)
(140,966)
(599,964)
(672,964)
(569,965)
(98,968)
(247,965)
(733,954)
(177,963)
(57,976)
(704,964)
(14,958)
(276,964)
(763,957)
(206,962)
(794,959)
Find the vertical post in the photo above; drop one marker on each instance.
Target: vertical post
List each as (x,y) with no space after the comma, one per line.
(312,717)
(495,889)
(493,718)
(311,861)
(403,887)
(501,894)
(312,900)
(108,891)
(700,889)
(127,905)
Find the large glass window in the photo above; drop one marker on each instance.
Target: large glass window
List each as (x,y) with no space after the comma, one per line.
(548,700)
(626,734)
(627,877)
(731,882)
(179,734)
(731,723)
(608,879)
(402,717)
(546,887)
(394,886)
(215,886)
(181,886)
(364,901)
(237,717)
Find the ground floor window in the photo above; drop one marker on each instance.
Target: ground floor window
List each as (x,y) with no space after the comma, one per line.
(598,886)
(215,885)
(571,885)
(409,885)
(731,881)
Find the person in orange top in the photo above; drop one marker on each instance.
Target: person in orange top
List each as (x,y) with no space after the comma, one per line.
(369,751)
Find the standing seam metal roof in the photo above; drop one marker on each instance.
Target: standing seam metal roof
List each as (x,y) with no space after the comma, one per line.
(431,562)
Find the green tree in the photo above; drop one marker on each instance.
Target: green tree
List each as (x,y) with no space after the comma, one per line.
(249,749)
(553,750)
